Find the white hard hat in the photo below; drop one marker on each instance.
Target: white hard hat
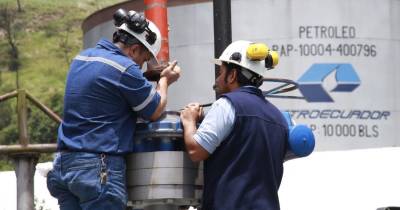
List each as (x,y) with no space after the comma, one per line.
(155,47)
(255,57)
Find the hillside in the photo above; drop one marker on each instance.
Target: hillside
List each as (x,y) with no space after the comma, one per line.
(47,35)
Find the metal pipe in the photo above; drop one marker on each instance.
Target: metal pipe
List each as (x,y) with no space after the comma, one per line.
(44,108)
(156,11)
(24,171)
(30,148)
(222,27)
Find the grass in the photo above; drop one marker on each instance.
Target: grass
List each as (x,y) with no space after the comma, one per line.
(43,31)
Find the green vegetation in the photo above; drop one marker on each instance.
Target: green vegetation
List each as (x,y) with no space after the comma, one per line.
(46,36)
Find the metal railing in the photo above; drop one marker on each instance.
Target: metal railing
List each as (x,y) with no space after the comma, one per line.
(24,154)
(22,103)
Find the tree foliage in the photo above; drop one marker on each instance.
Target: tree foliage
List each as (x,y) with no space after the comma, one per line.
(9,28)
(19,6)
(41,128)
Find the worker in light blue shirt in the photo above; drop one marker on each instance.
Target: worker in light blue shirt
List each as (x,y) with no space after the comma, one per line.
(243,138)
(105,93)
(216,126)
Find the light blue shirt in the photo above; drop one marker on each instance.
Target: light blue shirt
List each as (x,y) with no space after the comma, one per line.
(216,126)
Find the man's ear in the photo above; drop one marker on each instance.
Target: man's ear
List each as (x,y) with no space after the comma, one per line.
(134,49)
(134,52)
(232,76)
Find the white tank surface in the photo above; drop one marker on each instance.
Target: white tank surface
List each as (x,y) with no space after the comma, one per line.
(343,54)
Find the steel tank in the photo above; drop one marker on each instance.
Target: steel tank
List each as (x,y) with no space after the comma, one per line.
(160,174)
(341,52)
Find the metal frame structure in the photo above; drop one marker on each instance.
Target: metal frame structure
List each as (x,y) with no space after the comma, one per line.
(24,154)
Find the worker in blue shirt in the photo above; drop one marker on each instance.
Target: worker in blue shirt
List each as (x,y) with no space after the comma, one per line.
(242,139)
(105,94)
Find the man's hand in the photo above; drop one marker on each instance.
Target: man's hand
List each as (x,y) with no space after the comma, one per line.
(192,113)
(171,73)
(168,76)
(153,71)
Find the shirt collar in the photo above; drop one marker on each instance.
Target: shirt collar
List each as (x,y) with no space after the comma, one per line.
(104,43)
(250,89)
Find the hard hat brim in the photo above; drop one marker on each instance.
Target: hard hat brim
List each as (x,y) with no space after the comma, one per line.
(216,61)
(219,62)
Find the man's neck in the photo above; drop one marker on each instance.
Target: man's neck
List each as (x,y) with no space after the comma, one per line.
(233,86)
(122,48)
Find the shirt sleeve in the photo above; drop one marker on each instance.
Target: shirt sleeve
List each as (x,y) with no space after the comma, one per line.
(216,125)
(140,93)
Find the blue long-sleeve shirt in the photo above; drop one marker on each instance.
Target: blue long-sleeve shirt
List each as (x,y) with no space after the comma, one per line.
(105,93)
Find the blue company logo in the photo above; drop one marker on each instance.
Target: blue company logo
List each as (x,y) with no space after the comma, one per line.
(310,84)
